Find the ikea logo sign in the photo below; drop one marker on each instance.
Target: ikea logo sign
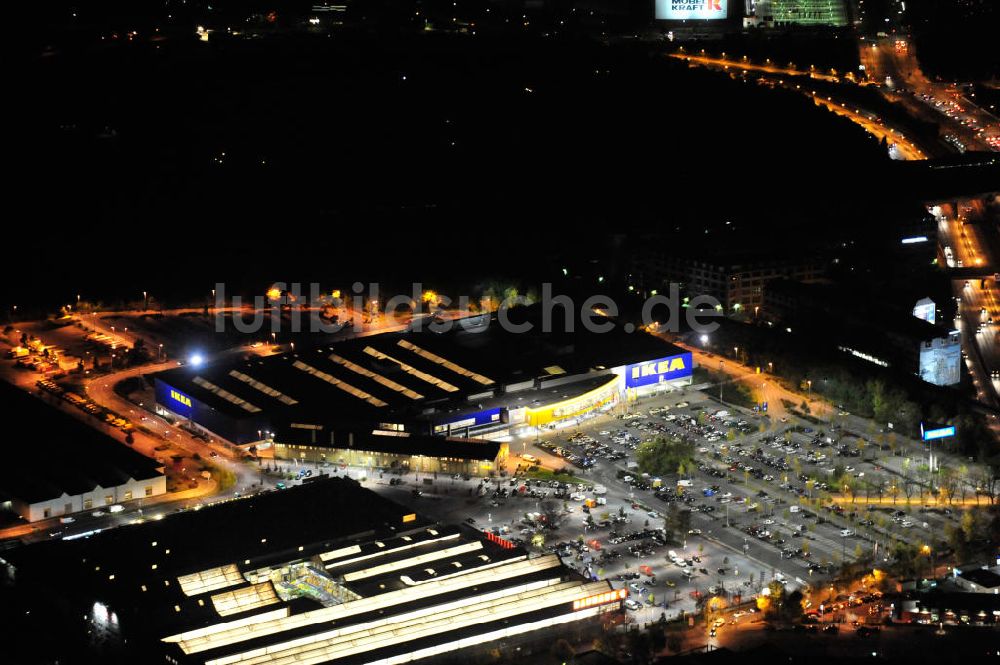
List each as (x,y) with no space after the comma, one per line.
(180,397)
(655,371)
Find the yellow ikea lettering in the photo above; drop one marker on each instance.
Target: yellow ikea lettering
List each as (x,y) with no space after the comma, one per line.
(657,368)
(183,399)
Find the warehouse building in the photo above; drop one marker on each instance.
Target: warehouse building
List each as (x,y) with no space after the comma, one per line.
(303,575)
(479,380)
(77,467)
(393,451)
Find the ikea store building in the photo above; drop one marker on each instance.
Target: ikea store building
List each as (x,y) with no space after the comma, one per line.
(423,392)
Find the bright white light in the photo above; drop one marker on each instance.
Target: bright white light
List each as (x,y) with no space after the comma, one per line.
(196,359)
(704,339)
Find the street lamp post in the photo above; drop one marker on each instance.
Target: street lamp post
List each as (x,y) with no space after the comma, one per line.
(722,381)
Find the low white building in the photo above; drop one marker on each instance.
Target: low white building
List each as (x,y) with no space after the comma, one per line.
(70,467)
(42,505)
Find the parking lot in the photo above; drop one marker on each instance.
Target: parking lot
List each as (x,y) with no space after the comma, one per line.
(754,508)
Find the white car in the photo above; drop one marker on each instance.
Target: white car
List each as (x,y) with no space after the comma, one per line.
(117,508)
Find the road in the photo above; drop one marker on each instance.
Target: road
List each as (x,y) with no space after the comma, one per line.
(962,232)
(891,62)
(901,147)
(743,64)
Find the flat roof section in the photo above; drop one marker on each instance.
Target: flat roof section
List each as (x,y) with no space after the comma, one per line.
(70,456)
(230,584)
(403,376)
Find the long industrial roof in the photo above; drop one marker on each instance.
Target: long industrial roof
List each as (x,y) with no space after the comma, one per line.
(219,586)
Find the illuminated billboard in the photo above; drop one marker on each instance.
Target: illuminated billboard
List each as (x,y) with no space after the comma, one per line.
(929,433)
(655,371)
(701,10)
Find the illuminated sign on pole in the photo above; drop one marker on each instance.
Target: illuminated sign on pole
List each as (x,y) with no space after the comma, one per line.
(679,10)
(936,432)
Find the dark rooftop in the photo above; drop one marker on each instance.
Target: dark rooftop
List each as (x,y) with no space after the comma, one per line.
(982,577)
(317,516)
(65,454)
(411,373)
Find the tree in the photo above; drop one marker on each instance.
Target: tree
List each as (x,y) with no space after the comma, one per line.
(563,650)
(968,525)
(553,513)
(962,480)
(677,520)
(662,456)
(791,607)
